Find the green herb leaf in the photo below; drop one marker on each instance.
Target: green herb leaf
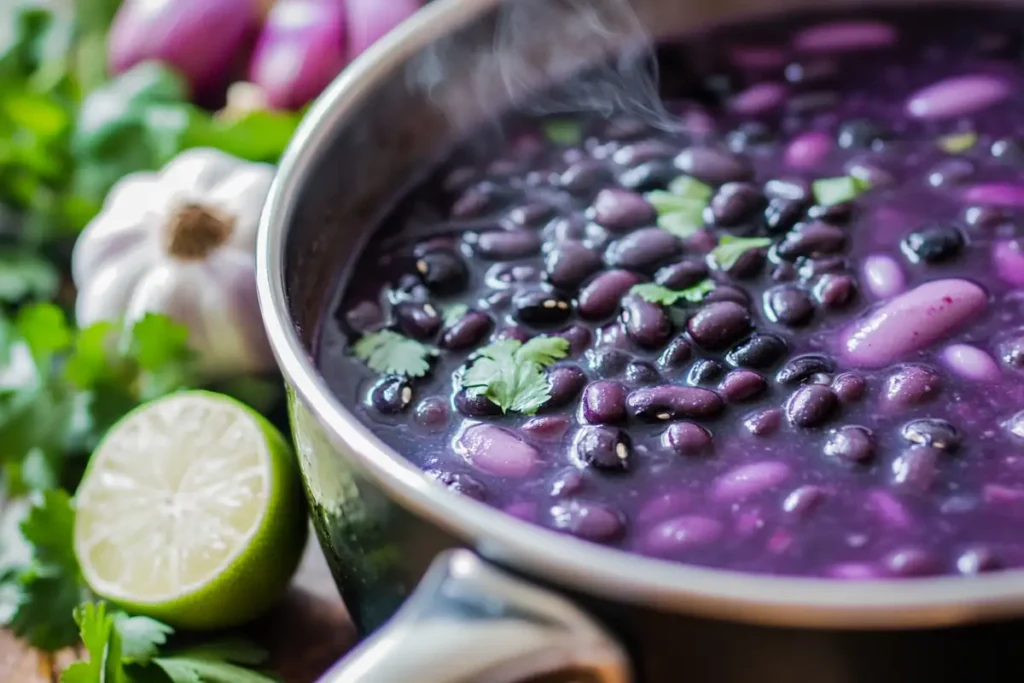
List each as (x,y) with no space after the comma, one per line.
(690,188)
(390,352)
(656,294)
(666,202)
(141,638)
(511,374)
(255,136)
(563,132)
(730,249)
(957,143)
(102,642)
(682,224)
(24,275)
(453,313)
(830,191)
(45,329)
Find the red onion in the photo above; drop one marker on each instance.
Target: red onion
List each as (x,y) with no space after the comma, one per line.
(301,49)
(203,39)
(369,20)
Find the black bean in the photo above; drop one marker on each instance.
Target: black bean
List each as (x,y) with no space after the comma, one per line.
(467,331)
(811,405)
(910,562)
(704,370)
(783,272)
(507,245)
(686,438)
(849,387)
(541,308)
(419,321)
(644,249)
(811,268)
(530,215)
(502,275)
(932,432)
(915,469)
(835,291)
(391,395)
(788,304)
(750,135)
(572,227)
(442,272)
(618,209)
(727,293)
(677,353)
(860,134)
(642,372)
(432,412)
(607,362)
(475,406)
(645,150)
(851,444)
(584,176)
(646,323)
(604,402)
(932,244)
(565,382)
(812,239)
(949,172)
(671,402)
(782,214)
(567,484)
(602,296)
(460,483)
(719,324)
(760,351)
(648,176)
(910,385)
(802,501)
(735,204)
(742,385)
(512,332)
(589,521)
(608,449)
(978,561)
(763,422)
(570,263)
(476,199)
(713,166)
(681,275)
(579,338)
(365,316)
(749,264)
(802,367)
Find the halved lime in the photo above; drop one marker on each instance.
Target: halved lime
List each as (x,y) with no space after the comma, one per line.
(191,512)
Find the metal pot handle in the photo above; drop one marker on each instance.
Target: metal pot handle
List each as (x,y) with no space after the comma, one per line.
(469,622)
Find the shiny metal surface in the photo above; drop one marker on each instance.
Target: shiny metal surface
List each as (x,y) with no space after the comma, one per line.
(468,622)
(390,112)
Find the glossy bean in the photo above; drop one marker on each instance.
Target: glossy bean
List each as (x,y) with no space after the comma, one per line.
(971,363)
(686,438)
(496,451)
(646,323)
(672,402)
(604,402)
(747,480)
(507,245)
(602,296)
(644,249)
(570,263)
(617,209)
(719,324)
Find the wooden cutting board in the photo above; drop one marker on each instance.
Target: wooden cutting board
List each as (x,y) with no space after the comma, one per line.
(305,634)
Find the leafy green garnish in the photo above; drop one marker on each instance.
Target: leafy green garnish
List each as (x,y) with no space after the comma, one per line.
(392,353)
(563,132)
(127,649)
(681,209)
(683,223)
(690,188)
(957,143)
(511,374)
(830,191)
(657,294)
(26,276)
(452,313)
(730,249)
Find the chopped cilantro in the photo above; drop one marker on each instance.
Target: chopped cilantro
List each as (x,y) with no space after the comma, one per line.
(563,132)
(958,142)
(666,202)
(682,223)
(453,313)
(829,191)
(392,353)
(656,294)
(690,188)
(730,249)
(511,374)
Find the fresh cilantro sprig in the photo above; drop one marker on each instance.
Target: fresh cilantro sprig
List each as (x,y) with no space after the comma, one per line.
(657,294)
(681,209)
(564,132)
(130,649)
(730,249)
(511,375)
(393,353)
(831,191)
(452,313)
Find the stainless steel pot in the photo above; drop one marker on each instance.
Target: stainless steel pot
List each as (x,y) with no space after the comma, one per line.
(499,600)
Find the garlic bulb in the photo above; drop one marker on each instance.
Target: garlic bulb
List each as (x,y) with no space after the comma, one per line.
(181,243)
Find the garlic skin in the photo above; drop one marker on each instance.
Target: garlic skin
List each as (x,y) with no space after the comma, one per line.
(182,243)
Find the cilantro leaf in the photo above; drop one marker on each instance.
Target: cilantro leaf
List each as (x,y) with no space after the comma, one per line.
(730,249)
(563,132)
(690,188)
(682,223)
(667,202)
(656,294)
(100,638)
(453,313)
(511,374)
(830,191)
(141,638)
(390,352)
(25,275)
(45,329)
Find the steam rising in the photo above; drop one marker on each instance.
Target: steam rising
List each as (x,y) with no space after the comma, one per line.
(596,51)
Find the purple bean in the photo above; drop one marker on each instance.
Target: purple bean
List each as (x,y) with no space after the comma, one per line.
(736,203)
(957,96)
(601,297)
(849,387)
(507,245)
(680,534)
(565,382)
(844,36)
(915,469)
(910,562)
(642,372)
(713,166)
(812,239)
(570,263)
(617,209)
(808,150)
(932,432)
(888,510)
(579,338)
(742,385)
(758,99)
(883,276)
(586,520)
(727,293)
(672,402)
(971,363)
(756,57)
(686,438)
(788,304)
(718,325)
(496,451)
(643,249)
(364,317)
(418,320)
(460,483)
(851,444)
(912,321)
(1001,495)
(747,480)
(504,275)
(853,571)
(567,484)
(475,406)
(432,413)
(676,354)
(811,405)
(530,215)
(1008,195)
(546,427)
(467,331)
(911,385)
(646,323)
(604,402)
(681,275)
(1008,259)
(763,422)
(801,368)
(978,561)
(584,175)
(760,351)
(391,395)
(643,151)
(835,291)
(608,449)
(666,505)
(802,501)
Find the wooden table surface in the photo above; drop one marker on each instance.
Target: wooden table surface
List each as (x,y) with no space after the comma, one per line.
(305,634)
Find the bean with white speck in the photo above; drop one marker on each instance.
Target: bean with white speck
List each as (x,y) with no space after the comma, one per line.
(933,432)
(672,402)
(851,444)
(916,469)
(607,449)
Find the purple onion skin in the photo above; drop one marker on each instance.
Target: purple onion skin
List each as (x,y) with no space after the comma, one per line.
(202,39)
(302,48)
(369,20)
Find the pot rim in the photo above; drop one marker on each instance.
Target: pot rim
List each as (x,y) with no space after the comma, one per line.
(616,575)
